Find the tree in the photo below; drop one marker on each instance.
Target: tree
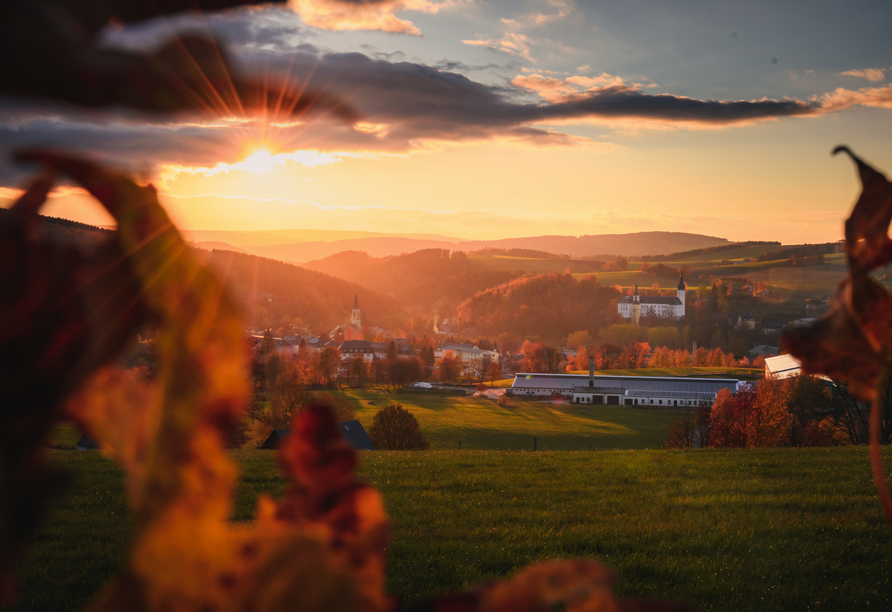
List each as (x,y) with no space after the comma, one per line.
(449,367)
(664,336)
(357,368)
(483,370)
(404,371)
(395,428)
(579,338)
(622,334)
(327,368)
(267,344)
(288,396)
(683,430)
(392,351)
(494,372)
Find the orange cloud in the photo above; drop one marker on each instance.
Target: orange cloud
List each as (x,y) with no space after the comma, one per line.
(511,43)
(364,14)
(556,90)
(841,98)
(871,74)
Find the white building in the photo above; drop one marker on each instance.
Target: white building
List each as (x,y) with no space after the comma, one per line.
(634,306)
(650,391)
(465,352)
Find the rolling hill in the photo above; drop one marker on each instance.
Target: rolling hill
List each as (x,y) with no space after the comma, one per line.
(301,246)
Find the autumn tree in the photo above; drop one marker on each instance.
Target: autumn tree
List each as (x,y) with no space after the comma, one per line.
(395,428)
(769,424)
(537,357)
(404,370)
(327,367)
(449,367)
(683,430)
(622,334)
(494,372)
(579,338)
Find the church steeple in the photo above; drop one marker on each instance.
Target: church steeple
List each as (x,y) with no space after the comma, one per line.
(681,286)
(355,318)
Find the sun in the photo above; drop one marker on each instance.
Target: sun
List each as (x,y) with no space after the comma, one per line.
(259,161)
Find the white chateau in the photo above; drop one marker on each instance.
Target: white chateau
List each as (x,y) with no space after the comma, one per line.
(635,306)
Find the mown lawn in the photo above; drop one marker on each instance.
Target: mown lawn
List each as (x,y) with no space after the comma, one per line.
(481,424)
(773,529)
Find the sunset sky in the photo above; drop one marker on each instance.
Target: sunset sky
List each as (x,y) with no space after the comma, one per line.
(503,118)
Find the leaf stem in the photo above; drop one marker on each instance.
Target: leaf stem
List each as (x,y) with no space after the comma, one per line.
(876,457)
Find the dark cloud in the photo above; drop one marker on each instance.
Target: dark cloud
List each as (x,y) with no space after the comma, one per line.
(401,104)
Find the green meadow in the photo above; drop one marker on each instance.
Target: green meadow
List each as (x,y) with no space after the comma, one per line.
(481,424)
(766,529)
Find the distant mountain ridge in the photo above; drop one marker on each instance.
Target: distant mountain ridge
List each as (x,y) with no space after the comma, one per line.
(625,245)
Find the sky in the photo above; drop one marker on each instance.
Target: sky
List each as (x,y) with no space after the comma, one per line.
(492,119)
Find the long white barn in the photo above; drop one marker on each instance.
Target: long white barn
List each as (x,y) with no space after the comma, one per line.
(655,391)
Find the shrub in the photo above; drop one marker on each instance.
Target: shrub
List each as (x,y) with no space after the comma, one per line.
(503,400)
(395,428)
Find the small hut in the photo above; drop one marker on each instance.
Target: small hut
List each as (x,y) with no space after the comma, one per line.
(87,443)
(353,433)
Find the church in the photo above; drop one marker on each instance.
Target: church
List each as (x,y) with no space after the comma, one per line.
(635,306)
(354,329)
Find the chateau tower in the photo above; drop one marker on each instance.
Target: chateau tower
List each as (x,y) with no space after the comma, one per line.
(636,306)
(681,293)
(354,317)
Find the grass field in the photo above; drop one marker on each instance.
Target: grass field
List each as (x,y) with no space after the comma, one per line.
(773,529)
(481,424)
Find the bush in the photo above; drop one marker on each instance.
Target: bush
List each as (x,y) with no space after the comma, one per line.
(503,400)
(395,428)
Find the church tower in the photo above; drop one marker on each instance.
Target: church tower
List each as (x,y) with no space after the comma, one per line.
(354,317)
(681,293)
(636,307)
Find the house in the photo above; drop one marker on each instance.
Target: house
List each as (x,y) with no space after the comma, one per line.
(635,306)
(354,348)
(650,391)
(764,350)
(465,352)
(742,321)
(352,431)
(772,326)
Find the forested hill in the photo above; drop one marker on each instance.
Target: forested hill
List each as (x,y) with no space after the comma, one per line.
(426,281)
(552,304)
(69,232)
(636,244)
(277,293)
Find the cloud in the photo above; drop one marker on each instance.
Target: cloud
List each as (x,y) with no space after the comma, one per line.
(871,74)
(404,106)
(511,43)
(364,14)
(515,42)
(841,98)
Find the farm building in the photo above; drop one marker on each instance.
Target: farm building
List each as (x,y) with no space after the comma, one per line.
(651,391)
(782,366)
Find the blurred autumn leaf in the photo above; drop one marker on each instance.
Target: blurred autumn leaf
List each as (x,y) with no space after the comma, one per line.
(853,342)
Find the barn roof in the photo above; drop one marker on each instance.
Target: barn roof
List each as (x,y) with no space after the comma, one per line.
(355,434)
(352,431)
(632,386)
(87,443)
